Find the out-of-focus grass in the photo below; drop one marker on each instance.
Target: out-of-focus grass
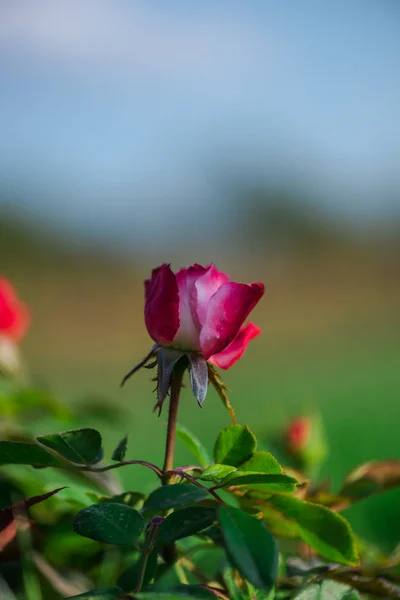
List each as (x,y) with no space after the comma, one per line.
(330,340)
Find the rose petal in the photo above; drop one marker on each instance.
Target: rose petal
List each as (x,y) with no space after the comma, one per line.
(235,350)
(14,316)
(195,270)
(161,312)
(227,310)
(206,286)
(188,335)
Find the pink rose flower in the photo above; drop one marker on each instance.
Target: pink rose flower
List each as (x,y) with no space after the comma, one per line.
(201,310)
(14,316)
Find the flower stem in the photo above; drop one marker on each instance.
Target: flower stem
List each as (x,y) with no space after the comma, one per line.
(146,553)
(176,386)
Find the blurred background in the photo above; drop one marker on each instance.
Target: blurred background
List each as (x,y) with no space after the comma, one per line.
(263,136)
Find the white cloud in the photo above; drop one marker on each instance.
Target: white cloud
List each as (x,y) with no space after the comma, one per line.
(107,34)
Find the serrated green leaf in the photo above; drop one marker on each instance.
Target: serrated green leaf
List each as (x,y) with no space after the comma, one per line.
(278,526)
(324,530)
(185,522)
(193,444)
(110,522)
(261,462)
(24,453)
(331,590)
(216,473)
(177,495)
(100,594)
(262,482)
(234,445)
(81,446)
(250,546)
(120,450)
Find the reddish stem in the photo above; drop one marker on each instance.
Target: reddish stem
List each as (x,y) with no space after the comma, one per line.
(176,386)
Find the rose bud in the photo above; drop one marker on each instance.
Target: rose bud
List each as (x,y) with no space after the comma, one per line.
(298,434)
(306,441)
(199,313)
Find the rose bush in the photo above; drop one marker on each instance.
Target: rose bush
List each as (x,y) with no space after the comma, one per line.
(236,525)
(199,309)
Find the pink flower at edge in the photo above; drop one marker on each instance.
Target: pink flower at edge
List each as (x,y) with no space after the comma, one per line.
(14,315)
(199,309)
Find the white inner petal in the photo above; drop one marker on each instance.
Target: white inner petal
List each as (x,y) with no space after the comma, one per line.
(188,335)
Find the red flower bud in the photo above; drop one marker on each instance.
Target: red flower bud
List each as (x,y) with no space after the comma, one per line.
(298,434)
(200,310)
(14,316)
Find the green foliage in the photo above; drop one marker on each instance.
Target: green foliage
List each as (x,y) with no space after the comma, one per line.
(324,530)
(26,453)
(120,450)
(184,523)
(250,546)
(110,522)
(24,404)
(261,462)
(80,445)
(328,589)
(193,444)
(261,471)
(174,496)
(100,594)
(184,592)
(130,498)
(234,445)
(210,530)
(260,481)
(129,579)
(217,473)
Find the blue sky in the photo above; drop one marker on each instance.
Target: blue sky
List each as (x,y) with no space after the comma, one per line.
(123,112)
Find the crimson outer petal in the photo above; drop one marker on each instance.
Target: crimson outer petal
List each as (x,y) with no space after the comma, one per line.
(161,311)
(227,310)
(235,350)
(14,316)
